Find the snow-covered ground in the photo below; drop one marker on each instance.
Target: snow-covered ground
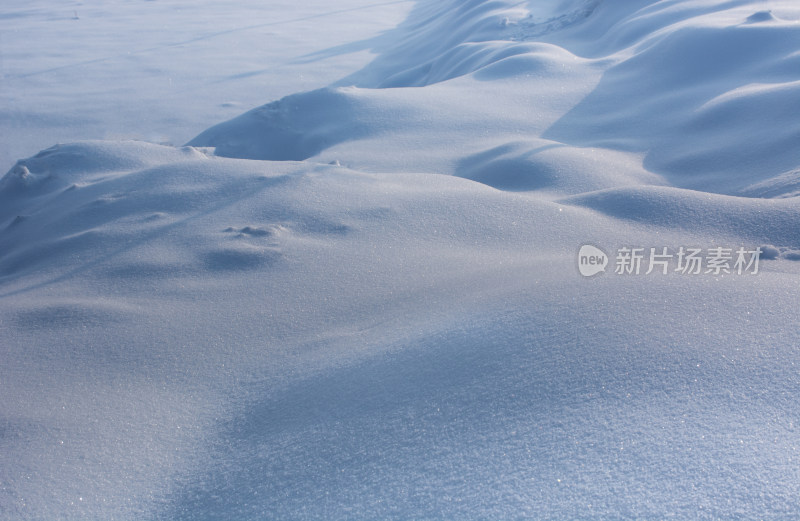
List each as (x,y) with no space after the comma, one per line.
(164,70)
(378,295)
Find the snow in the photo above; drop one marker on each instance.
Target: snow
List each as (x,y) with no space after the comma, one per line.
(163,70)
(361,299)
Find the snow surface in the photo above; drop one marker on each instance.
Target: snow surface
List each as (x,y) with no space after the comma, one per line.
(164,70)
(362,300)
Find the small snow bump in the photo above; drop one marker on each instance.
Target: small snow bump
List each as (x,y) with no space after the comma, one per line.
(255,231)
(793,255)
(155,217)
(236,259)
(18,219)
(19,175)
(199,152)
(769,252)
(760,16)
(21,171)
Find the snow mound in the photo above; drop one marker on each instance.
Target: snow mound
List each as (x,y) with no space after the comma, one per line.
(701,97)
(550,167)
(716,122)
(386,342)
(747,219)
(37,174)
(294,128)
(365,301)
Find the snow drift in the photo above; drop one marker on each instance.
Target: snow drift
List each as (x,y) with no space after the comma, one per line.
(363,301)
(705,98)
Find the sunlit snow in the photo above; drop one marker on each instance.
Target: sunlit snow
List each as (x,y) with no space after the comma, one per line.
(424,259)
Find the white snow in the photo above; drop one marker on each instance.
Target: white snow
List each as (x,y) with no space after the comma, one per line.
(361,300)
(163,70)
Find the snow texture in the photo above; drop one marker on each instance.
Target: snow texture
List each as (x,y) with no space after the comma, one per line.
(361,300)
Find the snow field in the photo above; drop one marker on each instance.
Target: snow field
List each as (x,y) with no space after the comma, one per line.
(362,300)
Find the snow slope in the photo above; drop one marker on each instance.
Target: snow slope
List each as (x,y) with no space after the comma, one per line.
(363,301)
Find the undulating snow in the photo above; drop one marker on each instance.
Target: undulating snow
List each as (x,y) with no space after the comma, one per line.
(364,299)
